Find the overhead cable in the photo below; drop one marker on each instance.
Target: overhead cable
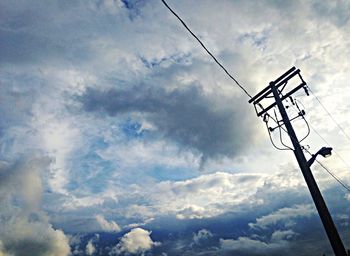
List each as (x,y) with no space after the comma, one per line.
(330,173)
(241,87)
(322,138)
(217,62)
(205,48)
(328,144)
(334,176)
(330,115)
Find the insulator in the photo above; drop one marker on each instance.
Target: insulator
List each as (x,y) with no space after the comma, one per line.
(291,100)
(266,118)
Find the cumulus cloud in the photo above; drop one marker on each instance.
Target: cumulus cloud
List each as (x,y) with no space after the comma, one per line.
(2,250)
(202,236)
(286,216)
(202,197)
(211,195)
(279,235)
(248,246)
(173,86)
(25,229)
(278,243)
(271,241)
(94,224)
(90,248)
(138,240)
(106,225)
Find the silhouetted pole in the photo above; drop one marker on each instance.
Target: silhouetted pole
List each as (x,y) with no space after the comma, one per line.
(322,209)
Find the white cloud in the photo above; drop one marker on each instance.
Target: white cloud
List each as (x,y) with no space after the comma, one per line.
(57,139)
(148,154)
(251,246)
(90,248)
(2,250)
(106,225)
(255,245)
(207,195)
(211,194)
(86,224)
(135,225)
(244,243)
(136,241)
(110,53)
(194,212)
(25,228)
(287,216)
(202,236)
(280,235)
(278,242)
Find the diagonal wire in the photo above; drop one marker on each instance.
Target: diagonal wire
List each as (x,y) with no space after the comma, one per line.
(325,141)
(330,173)
(240,86)
(334,176)
(205,48)
(324,167)
(215,59)
(330,115)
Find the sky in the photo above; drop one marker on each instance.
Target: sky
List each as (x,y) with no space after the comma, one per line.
(119,135)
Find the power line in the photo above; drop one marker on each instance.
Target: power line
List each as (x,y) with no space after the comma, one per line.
(296,106)
(324,140)
(330,173)
(323,166)
(214,58)
(326,218)
(241,87)
(246,92)
(205,48)
(319,135)
(334,176)
(328,144)
(220,65)
(330,115)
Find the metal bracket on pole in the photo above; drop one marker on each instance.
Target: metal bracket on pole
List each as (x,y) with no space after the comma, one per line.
(273,90)
(266,92)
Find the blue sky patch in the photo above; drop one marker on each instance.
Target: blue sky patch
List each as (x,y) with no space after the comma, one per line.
(132,129)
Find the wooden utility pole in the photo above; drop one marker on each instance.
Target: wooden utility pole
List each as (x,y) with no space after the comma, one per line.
(273,89)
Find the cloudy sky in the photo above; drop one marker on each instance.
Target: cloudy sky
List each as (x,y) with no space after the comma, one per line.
(119,135)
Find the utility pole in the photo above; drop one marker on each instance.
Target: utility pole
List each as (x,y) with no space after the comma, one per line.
(273,90)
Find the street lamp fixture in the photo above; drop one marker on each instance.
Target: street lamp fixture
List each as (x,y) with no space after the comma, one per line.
(324,151)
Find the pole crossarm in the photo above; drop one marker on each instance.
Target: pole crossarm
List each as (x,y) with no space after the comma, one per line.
(273,88)
(282,98)
(262,93)
(267,91)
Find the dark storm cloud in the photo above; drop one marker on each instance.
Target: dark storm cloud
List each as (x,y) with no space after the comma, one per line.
(187,116)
